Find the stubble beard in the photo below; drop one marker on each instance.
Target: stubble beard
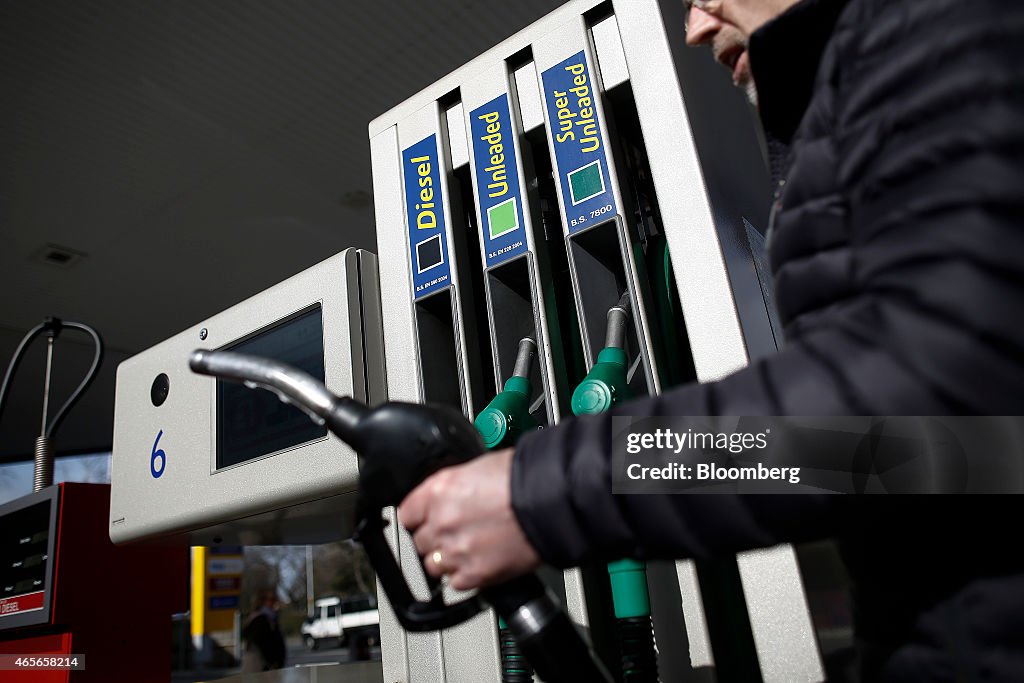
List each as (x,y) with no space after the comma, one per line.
(750,90)
(730,39)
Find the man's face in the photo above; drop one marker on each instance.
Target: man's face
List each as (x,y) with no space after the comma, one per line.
(726,26)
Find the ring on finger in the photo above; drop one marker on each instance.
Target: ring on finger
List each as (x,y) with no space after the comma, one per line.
(438,560)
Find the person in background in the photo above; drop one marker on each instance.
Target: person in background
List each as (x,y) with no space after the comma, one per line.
(264,642)
(897,247)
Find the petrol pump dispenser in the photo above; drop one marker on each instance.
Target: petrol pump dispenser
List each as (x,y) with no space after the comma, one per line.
(67,594)
(605,385)
(75,607)
(572,157)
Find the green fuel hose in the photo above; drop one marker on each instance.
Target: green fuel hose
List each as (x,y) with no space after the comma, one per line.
(500,424)
(604,386)
(514,667)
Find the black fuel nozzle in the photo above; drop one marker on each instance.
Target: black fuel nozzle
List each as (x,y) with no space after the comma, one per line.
(340,414)
(400,445)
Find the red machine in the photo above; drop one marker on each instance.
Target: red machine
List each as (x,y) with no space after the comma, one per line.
(65,589)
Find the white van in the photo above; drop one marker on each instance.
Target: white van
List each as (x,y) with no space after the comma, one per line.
(352,621)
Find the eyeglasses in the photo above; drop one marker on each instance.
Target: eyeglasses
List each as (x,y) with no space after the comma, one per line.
(702,5)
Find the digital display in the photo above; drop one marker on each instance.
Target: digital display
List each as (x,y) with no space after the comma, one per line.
(24,560)
(254,423)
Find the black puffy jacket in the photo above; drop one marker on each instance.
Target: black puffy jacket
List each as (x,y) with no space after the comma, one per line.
(898,255)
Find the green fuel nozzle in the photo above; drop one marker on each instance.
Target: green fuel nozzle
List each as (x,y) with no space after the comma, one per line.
(501,423)
(507,416)
(606,384)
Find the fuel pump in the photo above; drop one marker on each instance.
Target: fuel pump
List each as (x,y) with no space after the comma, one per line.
(400,445)
(605,385)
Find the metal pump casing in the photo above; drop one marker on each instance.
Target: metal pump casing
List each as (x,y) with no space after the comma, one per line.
(165,478)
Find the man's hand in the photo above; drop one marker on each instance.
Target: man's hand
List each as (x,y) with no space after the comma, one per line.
(463,524)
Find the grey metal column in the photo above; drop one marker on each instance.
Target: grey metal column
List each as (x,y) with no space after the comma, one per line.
(468,652)
(666,581)
(487,97)
(588,185)
(490,109)
(401,367)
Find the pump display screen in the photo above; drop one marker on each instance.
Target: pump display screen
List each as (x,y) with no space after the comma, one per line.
(254,423)
(24,559)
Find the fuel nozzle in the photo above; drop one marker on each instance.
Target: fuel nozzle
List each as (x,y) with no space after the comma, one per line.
(507,416)
(341,414)
(606,383)
(400,445)
(604,386)
(501,423)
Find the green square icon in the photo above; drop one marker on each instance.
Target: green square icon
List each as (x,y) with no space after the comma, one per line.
(586,182)
(502,218)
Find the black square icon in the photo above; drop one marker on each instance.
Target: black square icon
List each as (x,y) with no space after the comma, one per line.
(428,253)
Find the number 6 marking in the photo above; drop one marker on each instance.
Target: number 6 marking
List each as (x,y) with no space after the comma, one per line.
(158,454)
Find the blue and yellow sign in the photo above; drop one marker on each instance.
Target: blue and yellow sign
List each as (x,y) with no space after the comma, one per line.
(580,151)
(497,182)
(428,245)
(216,582)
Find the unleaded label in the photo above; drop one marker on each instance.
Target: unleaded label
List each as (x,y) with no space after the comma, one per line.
(581,156)
(497,182)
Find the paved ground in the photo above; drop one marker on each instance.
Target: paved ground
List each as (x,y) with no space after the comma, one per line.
(297,656)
